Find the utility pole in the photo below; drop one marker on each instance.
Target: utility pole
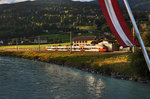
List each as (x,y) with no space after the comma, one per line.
(16,44)
(133,48)
(39,40)
(70,42)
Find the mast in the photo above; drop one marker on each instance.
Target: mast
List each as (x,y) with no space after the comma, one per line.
(137,33)
(70,42)
(133,48)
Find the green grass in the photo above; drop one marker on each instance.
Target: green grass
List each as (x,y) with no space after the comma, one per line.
(86,27)
(62,37)
(34,46)
(84,35)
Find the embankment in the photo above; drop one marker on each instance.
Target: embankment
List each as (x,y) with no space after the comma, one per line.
(115,65)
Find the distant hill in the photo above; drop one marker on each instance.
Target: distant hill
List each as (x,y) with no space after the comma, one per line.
(26,19)
(136,4)
(139,4)
(47,17)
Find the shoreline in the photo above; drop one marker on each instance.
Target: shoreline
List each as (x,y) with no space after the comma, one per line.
(60,59)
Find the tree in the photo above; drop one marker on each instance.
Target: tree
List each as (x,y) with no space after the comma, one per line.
(146,38)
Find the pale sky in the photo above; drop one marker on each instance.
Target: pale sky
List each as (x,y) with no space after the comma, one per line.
(83,0)
(12,1)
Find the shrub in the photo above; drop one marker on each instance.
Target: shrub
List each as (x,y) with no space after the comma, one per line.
(138,64)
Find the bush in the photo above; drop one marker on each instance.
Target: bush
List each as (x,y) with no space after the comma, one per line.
(138,64)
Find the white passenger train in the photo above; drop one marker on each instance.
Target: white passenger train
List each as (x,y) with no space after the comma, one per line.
(79,48)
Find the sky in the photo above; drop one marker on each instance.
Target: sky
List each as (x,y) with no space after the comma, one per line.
(83,0)
(15,1)
(12,1)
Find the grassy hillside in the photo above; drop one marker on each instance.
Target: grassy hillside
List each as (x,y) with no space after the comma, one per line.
(34,18)
(30,19)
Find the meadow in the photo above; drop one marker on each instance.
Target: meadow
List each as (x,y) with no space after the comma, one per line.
(29,47)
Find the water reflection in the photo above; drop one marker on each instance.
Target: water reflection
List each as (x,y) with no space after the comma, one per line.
(95,87)
(73,81)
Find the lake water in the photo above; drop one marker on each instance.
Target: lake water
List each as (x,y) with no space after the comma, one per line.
(27,79)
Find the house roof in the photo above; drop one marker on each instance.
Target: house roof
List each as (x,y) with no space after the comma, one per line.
(86,38)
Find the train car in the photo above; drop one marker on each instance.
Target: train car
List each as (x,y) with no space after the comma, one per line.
(78,48)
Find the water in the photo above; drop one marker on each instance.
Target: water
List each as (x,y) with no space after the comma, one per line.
(27,79)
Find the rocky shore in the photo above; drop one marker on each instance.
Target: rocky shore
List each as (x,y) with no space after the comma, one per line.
(116,75)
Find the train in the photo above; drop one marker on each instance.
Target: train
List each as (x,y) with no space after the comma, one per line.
(99,48)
